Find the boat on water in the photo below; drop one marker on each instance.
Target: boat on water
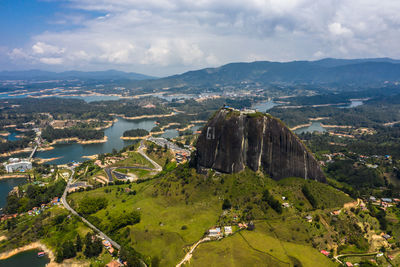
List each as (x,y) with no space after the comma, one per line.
(41,254)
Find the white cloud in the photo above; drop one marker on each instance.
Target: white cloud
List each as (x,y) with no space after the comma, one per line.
(162,37)
(45,49)
(51,60)
(337,29)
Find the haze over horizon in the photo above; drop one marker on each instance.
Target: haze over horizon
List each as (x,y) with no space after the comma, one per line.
(164,37)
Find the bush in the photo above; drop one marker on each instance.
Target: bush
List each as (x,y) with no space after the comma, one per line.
(91,205)
(227,204)
(272,202)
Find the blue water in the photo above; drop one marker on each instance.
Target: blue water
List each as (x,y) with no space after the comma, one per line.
(264,106)
(6,185)
(13,136)
(85,98)
(353,104)
(178,96)
(26,258)
(93,98)
(170,133)
(74,151)
(314,127)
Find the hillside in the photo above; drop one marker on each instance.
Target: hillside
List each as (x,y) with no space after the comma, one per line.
(179,206)
(325,71)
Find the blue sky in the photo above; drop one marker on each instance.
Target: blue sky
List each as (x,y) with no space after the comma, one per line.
(163,37)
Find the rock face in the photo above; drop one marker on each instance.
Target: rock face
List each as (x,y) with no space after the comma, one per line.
(232,140)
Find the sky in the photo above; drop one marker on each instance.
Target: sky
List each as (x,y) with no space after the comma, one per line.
(165,37)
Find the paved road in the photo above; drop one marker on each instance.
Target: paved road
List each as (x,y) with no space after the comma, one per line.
(156,168)
(109,171)
(67,206)
(141,152)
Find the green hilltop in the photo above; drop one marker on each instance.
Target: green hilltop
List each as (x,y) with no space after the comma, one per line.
(179,206)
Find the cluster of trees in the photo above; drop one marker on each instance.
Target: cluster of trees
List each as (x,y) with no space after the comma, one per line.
(226,205)
(50,134)
(124,219)
(93,246)
(13,145)
(371,114)
(272,202)
(309,196)
(132,257)
(380,215)
(135,133)
(358,177)
(34,197)
(90,205)
(69,249)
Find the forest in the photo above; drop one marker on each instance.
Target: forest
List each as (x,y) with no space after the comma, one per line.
(135,133)
(51,134)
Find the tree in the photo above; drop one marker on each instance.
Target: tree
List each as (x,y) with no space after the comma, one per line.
(272,202)
(59,255)
(131,256)
(93,246)
(78,244)
(68,250)
(155,262)
(227,204)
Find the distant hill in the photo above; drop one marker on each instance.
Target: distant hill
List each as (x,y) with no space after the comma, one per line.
(91,75)
(325,71)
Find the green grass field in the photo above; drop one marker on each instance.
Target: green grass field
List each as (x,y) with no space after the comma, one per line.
(134,159)
(184,198)
(159,232)
(252,248)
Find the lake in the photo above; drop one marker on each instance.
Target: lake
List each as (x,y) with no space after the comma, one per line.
(314,127)
(26,258)
(74,151)
(353,104)
(264,106)
(6,185)
(13,136)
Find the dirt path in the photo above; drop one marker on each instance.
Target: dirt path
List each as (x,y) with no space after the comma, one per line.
(188,255)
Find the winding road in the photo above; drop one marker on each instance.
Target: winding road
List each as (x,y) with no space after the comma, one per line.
(68,207)
(157,168)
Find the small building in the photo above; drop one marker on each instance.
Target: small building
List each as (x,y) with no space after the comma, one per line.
(308,218)
(372,198)
(335,212)
(386,236)
(242,225)
(215,232)
(55,201)
(387,200)
(286,205)
(326,253)
(349,264)
(228,230)
(114,263)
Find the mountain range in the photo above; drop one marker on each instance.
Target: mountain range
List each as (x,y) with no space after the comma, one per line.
(67,75)
(328,70)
